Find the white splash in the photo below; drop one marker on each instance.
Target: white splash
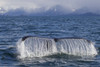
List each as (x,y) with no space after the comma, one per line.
(39,47)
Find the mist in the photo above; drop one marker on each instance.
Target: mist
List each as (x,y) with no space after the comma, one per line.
(41,7)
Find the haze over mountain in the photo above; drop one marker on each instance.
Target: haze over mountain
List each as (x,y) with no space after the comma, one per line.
(49,7)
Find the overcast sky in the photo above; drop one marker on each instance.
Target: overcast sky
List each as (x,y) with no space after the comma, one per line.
(72,5)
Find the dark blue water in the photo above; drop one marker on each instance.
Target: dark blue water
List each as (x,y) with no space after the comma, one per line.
(12,28)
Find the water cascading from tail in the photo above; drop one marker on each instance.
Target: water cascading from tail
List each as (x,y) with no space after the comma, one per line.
(36,47)
(39,47)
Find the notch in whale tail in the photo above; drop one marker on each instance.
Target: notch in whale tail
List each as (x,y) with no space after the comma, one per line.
(56,40)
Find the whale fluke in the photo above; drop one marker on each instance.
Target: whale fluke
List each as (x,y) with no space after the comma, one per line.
(30,46)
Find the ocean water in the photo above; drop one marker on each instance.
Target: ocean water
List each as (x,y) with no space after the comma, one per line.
(12,28)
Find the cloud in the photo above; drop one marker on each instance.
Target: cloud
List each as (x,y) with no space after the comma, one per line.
(69,6)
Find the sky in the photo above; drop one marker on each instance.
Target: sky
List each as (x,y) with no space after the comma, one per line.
(70,6)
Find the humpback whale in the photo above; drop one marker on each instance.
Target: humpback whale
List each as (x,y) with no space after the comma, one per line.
(41,46)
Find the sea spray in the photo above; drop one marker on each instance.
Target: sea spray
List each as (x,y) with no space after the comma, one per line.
(39,47)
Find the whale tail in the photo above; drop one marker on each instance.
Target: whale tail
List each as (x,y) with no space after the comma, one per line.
(37,47)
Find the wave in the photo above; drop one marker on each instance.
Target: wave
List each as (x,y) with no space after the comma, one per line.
(38,47)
